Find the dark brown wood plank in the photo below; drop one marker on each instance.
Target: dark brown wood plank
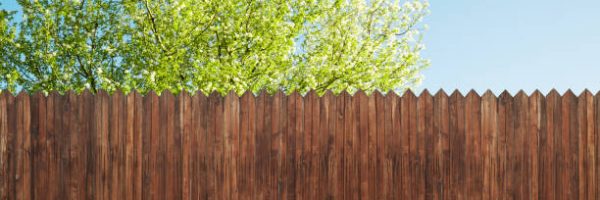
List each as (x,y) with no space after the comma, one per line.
(473,146)
(34,114)
(39,137)
(590,151)
(4,150)
(231,144)
(109,141)
(371,147)
(573,146)
(489,134)
(519,147)
(219,147)
(434,155)
(138,135)
(157,141)
(442,151)
(163,137)
(115,147)
(536,116)
(548,159)
(597,143)
(306,165)
(409,126)
(393,165)
(351,189)
(265,147)
(200,146)
(505,130)
(261,148)
(11,146)
(149,145)
(244,170)
(22,147)
(581,146)
(89,141)
(96,169)
(275,145)
(457,136)
(362,149)
(282,143)
(125,130)
(171,149)
(211,174)
(385,139)
(93,156)
(379,110)
(63,116)
(586,144)
(184,112)
(122,145)
(321,146)
(289,187)
(426,148)
(77,146)
(567,176)
(227,132)
(331,156)
(311,120)
(299,147)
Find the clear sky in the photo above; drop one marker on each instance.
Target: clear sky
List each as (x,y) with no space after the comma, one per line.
(513,45)
(509,44)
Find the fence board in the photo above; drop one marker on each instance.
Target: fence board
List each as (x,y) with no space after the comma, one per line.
(548,144)
(350,125)
(411,160)
(519,158)
(298,166)
(536,129)
(22,148)
(442,153)
(389,160)
(380,182)
(340,181)
(371,151)
(426,144)
(326,135)
(9,169)
(596,161)
(568,152)
(39,138)
(489,138)
(505,131)
(360,146)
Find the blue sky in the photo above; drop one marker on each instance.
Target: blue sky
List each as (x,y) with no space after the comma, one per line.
(509,44)
(513,45)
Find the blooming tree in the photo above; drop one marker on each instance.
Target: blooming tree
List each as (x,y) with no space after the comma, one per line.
(207,45)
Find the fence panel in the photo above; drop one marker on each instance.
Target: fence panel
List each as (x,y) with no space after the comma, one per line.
(360,146)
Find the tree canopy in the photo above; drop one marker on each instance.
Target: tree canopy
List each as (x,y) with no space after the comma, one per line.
(208,45)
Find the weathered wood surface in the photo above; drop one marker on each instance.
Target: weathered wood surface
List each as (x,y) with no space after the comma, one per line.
(376,146)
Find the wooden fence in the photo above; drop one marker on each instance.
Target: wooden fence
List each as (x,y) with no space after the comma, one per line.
(300,147)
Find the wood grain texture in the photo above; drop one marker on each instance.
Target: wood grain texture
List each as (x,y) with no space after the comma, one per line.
(293,146)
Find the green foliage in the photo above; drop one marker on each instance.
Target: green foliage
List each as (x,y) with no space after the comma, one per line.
(8,74)
(206,45)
